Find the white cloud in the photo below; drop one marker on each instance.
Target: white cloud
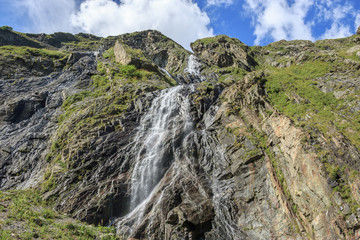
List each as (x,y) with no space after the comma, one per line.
(279,20)
(336,30)
(219,2)
(333,10)
(336,12)
(357,21)
(181,20)
(48,16)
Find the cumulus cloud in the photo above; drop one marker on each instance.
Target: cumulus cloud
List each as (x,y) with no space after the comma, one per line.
(181,20)
(48,15)
(283,19)
(337,30)
(338,14)
(219,2)
(277,19)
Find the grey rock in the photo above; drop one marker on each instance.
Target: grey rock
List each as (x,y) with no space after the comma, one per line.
(337,198)
(352,222)
(240,172)
(346,209)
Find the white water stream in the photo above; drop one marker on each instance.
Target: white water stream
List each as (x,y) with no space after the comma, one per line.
(158,128)
(194,67)
(162,131)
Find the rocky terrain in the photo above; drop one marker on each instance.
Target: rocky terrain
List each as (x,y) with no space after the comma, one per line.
(137,134)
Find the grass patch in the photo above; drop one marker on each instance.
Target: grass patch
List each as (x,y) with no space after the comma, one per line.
(208,40)
(82,45)
(95,111)
(27,216)
(15,51)
(293,92)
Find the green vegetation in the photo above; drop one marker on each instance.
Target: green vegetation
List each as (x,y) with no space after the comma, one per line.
(204,91)
(109,54)
(211,40)
(135,53)
(22,60)
(208,40)
(338,44)
(282,84)
(231,75)
(6,28)
(82,45)
(342,177)
(294,92)
(227,75)
(92,111)
(15,51)
(24,215)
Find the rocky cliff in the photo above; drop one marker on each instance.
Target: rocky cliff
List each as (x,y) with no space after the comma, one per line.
(227,142)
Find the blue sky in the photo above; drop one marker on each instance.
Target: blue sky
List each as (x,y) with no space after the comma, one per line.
(254,22)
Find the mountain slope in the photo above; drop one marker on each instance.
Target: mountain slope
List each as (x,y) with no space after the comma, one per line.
(230,142)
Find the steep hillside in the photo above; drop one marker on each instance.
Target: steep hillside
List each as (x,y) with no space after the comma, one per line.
(136,133)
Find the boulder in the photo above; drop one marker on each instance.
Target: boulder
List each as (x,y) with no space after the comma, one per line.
(121,55)
(129,56)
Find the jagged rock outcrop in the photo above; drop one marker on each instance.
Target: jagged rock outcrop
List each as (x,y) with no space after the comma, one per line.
(159,49)
(232,152)
(224,52)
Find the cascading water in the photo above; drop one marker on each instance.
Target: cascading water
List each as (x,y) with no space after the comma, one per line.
(157,129)
(193,66)
(161,135)
(193,69)
(161,131)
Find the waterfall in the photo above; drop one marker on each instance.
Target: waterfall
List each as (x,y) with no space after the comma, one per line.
(193,69)
(193,66)
(158,128)
(159,139)
(160,133)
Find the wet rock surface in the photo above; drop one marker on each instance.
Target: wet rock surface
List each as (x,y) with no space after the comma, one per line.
(30,109)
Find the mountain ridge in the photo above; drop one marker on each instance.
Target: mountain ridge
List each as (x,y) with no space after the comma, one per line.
(273,152)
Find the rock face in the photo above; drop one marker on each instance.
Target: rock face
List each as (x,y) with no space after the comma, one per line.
(121,55)
(30,108)
(136,132)
(159,49)
(224,52)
